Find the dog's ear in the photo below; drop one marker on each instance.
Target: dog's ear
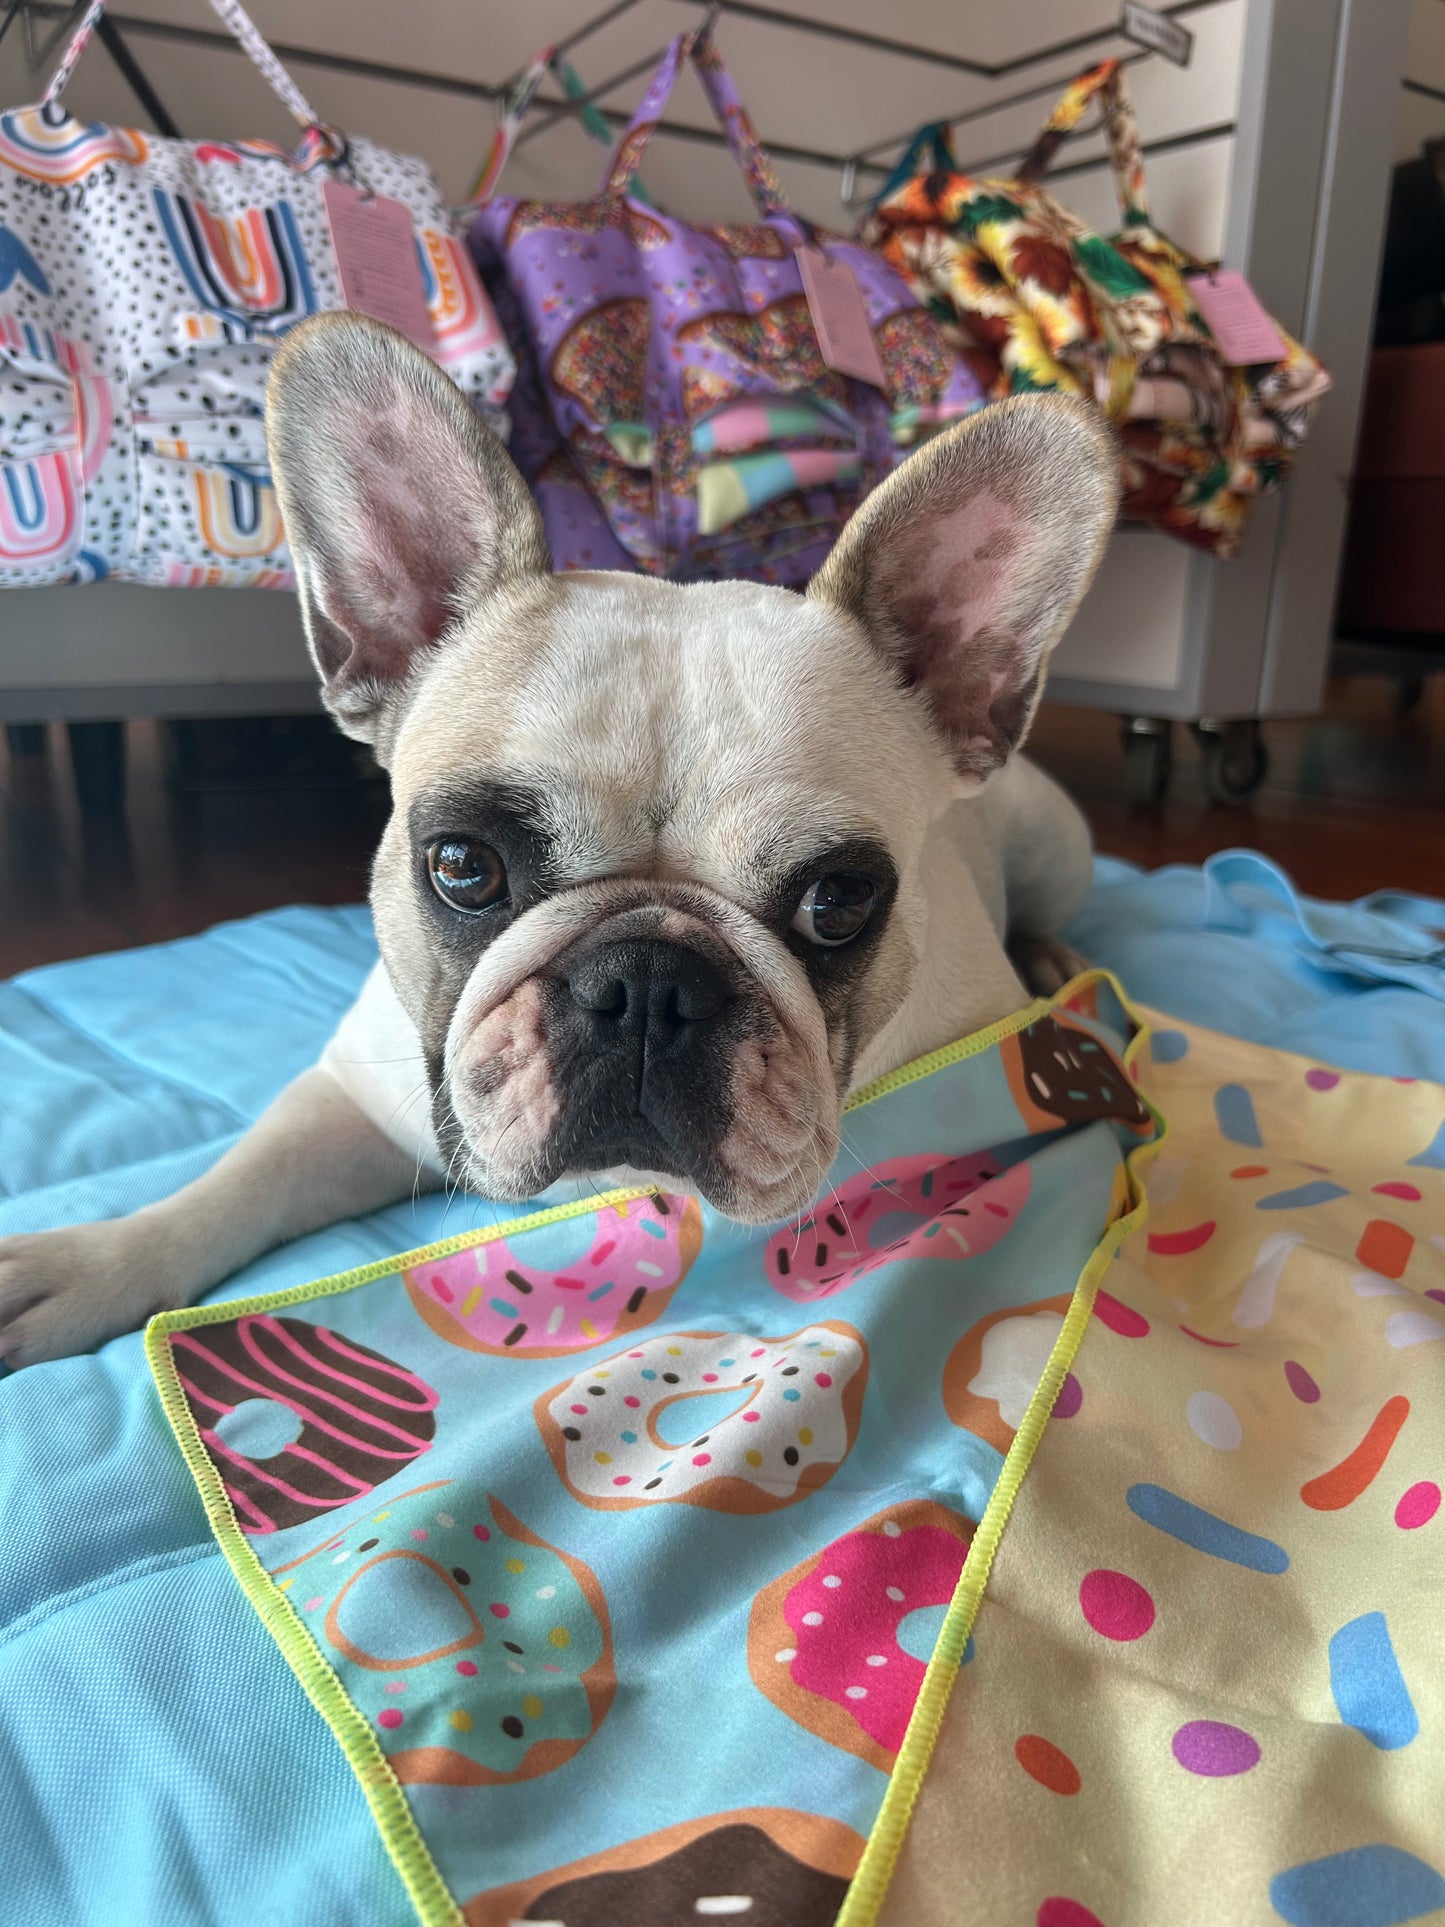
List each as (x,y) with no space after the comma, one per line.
(400,506)
(966,564)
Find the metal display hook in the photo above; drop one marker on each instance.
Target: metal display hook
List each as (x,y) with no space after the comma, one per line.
(862,163)
(39,50)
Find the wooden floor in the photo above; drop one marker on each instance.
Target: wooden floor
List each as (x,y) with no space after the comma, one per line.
(1355,801)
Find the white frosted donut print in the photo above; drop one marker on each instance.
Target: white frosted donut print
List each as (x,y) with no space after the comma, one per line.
(1015,1352)
(775,1417)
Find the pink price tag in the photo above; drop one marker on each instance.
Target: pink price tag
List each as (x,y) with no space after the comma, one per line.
(376,260)
(1236,318)
(840,318)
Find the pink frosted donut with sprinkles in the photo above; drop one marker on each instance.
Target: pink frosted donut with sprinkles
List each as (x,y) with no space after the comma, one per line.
(485,1298)
(823,1640)
(960,1208)
(630,1431)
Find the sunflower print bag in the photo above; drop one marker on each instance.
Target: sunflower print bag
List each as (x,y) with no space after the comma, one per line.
(1112,320)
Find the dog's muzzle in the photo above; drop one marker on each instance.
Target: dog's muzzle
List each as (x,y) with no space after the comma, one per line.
(641,1034)
(625,1028)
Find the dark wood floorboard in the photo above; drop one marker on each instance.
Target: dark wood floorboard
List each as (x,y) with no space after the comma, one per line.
(1355,801)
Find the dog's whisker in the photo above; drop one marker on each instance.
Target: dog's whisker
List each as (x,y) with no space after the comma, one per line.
(448,1187)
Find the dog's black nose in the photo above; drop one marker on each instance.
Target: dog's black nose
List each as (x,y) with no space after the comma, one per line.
(645,992)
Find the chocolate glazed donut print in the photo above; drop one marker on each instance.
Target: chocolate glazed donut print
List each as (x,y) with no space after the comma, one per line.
(768,1866)
(719,1419)
(298,1419)
(1060,1073)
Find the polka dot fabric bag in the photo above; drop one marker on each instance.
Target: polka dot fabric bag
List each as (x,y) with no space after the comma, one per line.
(144,287)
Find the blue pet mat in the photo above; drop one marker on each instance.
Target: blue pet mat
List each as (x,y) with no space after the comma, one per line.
(159,1760)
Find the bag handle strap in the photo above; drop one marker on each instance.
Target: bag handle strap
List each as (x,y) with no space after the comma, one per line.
(232,15)
(627,155)
(935,141)
(742,139)
(519,105)
(1106,84)
(509,125)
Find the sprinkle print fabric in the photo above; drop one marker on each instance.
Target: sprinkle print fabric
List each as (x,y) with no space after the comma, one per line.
(678,415)
(614,1545)
(1208,1684)
(144,287)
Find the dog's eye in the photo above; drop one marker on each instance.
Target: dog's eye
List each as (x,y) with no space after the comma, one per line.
(466,876)
(835,908)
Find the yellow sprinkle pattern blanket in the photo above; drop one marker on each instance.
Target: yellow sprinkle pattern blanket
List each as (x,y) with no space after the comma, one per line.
(1209,1679)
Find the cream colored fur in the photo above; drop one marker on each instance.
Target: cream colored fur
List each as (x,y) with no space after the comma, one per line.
(696,742)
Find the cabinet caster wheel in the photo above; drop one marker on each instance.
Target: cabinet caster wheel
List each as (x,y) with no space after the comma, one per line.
(1233,762)
(1148,761)
(1408,691)
(25,739)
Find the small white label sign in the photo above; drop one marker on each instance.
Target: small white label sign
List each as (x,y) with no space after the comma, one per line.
(1157,32)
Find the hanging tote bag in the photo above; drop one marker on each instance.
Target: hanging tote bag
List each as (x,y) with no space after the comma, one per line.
(578,533)
(681,370)
(1114,320)
(144,287)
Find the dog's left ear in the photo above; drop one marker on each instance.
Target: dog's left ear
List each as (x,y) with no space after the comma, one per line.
(966,564)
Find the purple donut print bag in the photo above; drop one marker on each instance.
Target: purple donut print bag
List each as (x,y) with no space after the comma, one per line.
(683,419)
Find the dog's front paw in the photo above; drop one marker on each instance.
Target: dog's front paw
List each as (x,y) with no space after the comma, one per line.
(63,1292)
(1045,964)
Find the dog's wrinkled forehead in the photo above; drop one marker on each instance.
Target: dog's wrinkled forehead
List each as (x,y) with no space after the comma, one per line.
(719,732)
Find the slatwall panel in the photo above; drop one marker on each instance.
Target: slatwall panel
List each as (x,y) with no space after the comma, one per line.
(803,90)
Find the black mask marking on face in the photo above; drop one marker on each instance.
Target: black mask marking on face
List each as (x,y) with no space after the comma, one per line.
(642,1035)
(835,967)
(510,821)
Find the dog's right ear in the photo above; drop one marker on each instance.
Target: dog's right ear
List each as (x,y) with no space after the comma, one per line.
(401,508)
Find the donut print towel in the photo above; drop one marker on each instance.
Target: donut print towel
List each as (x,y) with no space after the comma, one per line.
(975,1550)
(614,1544)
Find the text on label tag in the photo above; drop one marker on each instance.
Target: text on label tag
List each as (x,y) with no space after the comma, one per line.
(1237,318)
(377,261)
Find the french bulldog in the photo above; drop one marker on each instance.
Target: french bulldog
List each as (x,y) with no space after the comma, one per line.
(671,869)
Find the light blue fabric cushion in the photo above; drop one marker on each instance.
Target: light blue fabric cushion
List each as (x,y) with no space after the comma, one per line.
(158,1761)
(1162,934)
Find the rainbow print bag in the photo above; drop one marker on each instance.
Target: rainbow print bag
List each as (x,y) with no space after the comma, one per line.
(144,287)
